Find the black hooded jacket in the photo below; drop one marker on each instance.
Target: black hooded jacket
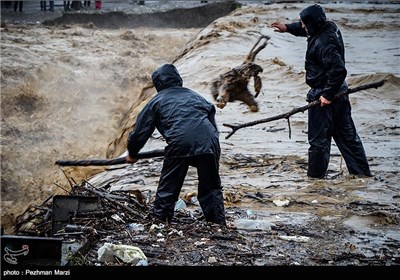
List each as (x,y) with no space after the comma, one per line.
(184,118)
(325,59)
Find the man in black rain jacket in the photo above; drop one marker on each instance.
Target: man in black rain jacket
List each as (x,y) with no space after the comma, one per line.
(186,120)
(325,74)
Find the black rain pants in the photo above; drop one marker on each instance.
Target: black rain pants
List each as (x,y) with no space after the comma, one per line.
(335,121)
(209,194)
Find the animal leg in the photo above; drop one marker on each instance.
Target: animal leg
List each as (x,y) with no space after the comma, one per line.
(257,85)
(215,85)
(224,97)
(248,98)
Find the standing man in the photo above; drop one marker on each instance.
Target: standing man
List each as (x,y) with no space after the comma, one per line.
(43,6)
(325,74)
(186,120)
(66,5)
(18,6)
(51,6)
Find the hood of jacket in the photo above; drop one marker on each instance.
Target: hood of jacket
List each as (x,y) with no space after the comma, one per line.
(166,76)
(314,19)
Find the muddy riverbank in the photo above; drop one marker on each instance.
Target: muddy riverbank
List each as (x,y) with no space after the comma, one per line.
(72,91)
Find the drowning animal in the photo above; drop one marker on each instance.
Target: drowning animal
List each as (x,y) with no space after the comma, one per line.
(233,85)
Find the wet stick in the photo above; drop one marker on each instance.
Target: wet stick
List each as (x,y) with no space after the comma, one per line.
(299,109)
(101,162)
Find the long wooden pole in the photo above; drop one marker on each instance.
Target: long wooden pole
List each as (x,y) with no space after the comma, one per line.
(101,162)
(299,109)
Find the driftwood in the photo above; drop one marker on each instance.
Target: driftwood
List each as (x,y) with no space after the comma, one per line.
(299,109)
(100,162)
(123,205)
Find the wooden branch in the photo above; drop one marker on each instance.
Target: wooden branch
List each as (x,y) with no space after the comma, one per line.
(299,109)
(114,201)
(253,52)
(99,162)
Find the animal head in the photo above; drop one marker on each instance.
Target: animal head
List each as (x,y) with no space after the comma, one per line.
(217,93)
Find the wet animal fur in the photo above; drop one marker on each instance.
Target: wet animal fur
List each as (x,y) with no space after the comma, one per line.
(233,85)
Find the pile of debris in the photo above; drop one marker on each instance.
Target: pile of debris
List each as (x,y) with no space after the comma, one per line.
(105,222)
(103,226)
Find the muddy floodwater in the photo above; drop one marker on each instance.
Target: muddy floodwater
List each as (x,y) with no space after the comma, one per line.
(72,90)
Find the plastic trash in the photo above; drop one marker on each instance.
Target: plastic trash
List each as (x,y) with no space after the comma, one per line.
(142,263)
(180,205)
(281,202)
(135,227)
(249,213)
(126,253)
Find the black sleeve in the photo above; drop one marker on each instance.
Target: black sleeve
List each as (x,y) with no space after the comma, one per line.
(144,128)
(211,116)
(296,29)
(334,68)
